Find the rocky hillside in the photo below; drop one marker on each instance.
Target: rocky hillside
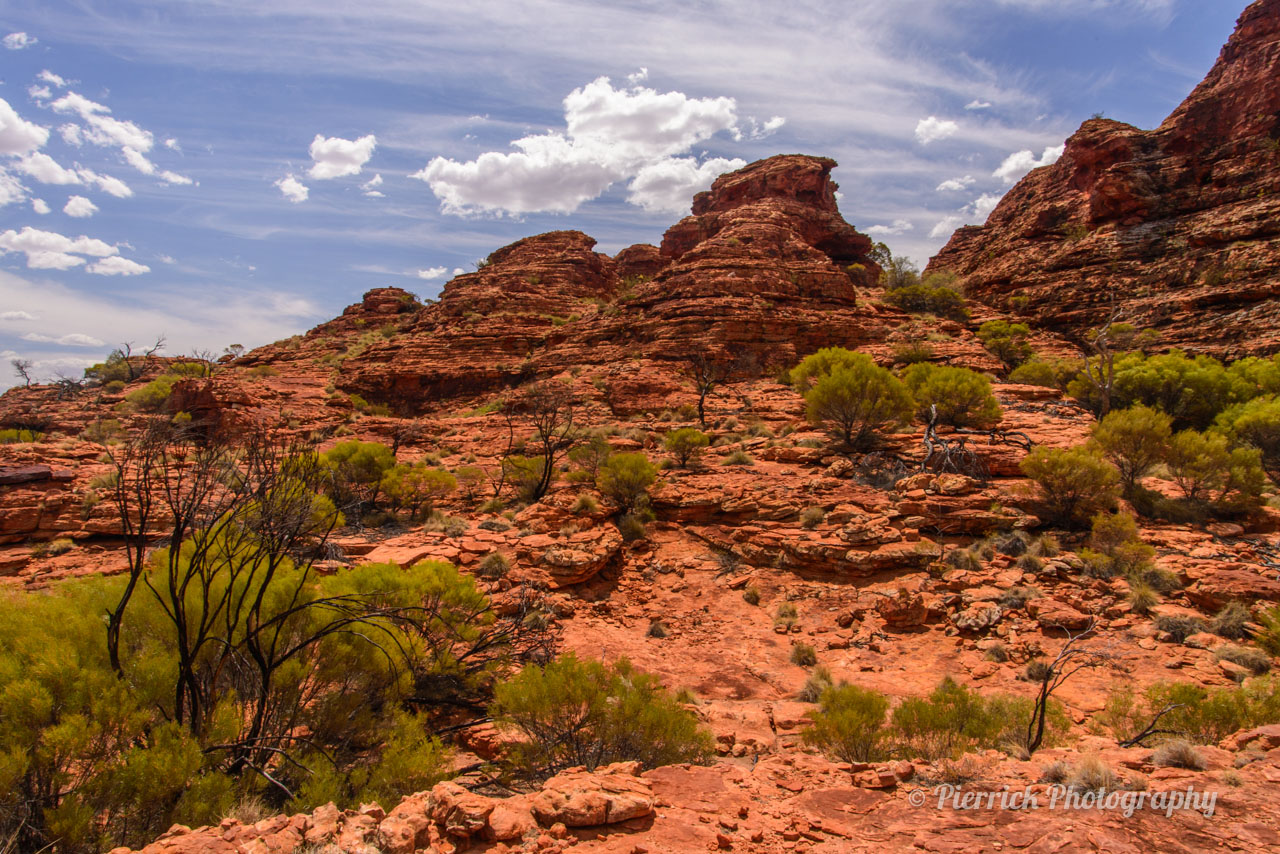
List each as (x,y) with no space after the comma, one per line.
(1180,225)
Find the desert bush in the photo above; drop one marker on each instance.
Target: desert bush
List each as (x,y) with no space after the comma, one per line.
(1176,753)
(1006,341)
(1179,627)
(657,629)
(1074,483)
(804,655)
(1252,659)
(941,300)
(962,559)
(852,395)
(1256,424)
(738,458)
(849,723)
(959,396)
(1232,621)
(357,469)
(15,436)
(1142,597)
(1268,638)
(1115,547)
(949,722)
(1207,470)
(912,352)
(494,565)
(1092,774)
(582,712)
(153,396)
(1134,440)
(584,505)
(819,681)
(1191,390)
(811,517)
(416,487)
(1018,597)
(686,444)
(631,527)
(626,478)
(1190,711)
(751,595)
(1049,373)
(591,455)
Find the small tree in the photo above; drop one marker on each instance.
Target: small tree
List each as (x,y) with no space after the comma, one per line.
(959,396)
(707,372)
(550,408)
(416,487)
(1069,661)
(357,469)
(22,368)
(856,399)
(1256,424)
(626,478)
(686,444)
(1074,484)
(1134,441)
(587,713)
(849,723)
(1006,341)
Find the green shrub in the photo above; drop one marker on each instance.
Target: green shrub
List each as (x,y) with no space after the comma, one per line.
(1269,636)
(1074,483)
(738,457)
(686,444)
(912,352)
(1055,373)
(1256,424)
(1208,471)
(626,478)
(1115,547)
(1142,597)
(941,300)
(959,396)
(416,487)
(852,395)
(1191,390)
(1006,341)
(16,436)
(1195,714)
(575,712)
(818,682)
(153,396)
(584,505)
(357,469)
(849,723)
(1134,440)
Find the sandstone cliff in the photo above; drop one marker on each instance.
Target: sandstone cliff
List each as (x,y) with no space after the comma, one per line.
(1179,225)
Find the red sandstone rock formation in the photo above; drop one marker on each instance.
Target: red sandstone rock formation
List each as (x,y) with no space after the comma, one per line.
(1180,225)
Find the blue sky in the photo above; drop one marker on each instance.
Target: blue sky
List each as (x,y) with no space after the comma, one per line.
(235,171)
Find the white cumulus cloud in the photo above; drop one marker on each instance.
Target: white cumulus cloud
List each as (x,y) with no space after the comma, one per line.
(40,206)
(953,184)
(11,189)
(432,272)
(293,189)
(371,186)
(946,225)
(335,157)
(610,134)
(1021,162)
(899,226)
(982,206)
(80,207)
(19,41)
(45,169)
(117,266)
(17,135)
(48,76)
(39,93)
(107,184)
(668,186)
(933,129)
(102,128)
(977,104)
(48,250)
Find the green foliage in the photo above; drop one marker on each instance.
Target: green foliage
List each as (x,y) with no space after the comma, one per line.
(416,487)
(357,469)
(897,271)
(954,720)
(1115,547)
(942,300)
(1195,713)
(1206,469)
(1256,424)
(852,395)
(849,723)
(1268,638)
(1074,484)
(626,478)
(1049,373)
(961,397)
(575,712)
(1134,440)
(1006,341)
(153,396)
(686,444)
(16,436)
(1191,390)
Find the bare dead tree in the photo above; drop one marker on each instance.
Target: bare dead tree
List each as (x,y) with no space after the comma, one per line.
(708,371)
(1069,661)
(1152,727)
(550,409)
(22,368)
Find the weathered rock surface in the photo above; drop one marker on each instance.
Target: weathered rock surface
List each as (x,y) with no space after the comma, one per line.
(1179,225)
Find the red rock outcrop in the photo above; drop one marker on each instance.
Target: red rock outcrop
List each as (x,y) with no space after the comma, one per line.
(1179,225)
